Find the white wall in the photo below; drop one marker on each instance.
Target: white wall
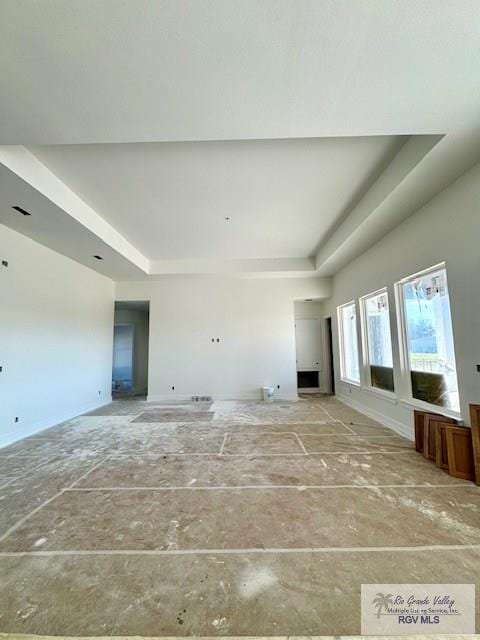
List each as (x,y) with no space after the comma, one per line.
(313,309)
(56,328)
(254,319)
(139,319)
(446,229)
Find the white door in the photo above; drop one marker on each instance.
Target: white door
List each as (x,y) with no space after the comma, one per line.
(308,344)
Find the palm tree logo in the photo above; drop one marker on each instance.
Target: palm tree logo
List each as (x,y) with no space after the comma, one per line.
(382,602)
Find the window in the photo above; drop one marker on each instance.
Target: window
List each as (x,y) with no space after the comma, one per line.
(378,340)
(428,338)
(347,324)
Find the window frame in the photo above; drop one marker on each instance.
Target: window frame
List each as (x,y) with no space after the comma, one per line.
(365,344)
(341,342)
(407,397)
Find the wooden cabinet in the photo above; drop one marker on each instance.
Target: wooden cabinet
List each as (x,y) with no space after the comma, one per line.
(460,453)
(427,426)
(431,426)
(475,422)
(451,446)
(441,450)
(419,422)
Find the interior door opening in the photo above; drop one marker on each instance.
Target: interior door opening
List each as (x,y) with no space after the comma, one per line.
(329,373)
(308,344)
(130,349)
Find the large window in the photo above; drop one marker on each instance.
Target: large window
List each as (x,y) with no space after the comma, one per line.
(428,338)
(378,340)
(347,326)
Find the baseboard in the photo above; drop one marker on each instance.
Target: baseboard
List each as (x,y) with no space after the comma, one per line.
(38,427)
(402,429)
(233,397)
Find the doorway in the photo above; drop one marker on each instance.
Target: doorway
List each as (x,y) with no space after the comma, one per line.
(130,348)
(330,373)
(309,345)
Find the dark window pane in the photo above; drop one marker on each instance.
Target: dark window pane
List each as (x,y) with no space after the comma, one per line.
(382,377)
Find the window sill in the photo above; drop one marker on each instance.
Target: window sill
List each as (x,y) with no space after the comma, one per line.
(350,383)
(384,395)
(431,408)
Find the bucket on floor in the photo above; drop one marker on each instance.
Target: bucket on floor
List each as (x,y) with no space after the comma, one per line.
(267,394)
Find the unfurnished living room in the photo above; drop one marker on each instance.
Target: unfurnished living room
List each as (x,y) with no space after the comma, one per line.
(239,318)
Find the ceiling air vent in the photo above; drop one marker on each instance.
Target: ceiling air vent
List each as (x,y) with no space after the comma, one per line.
(98,257)
(22,211)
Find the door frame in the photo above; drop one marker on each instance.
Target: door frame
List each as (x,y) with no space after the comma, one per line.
(329,362)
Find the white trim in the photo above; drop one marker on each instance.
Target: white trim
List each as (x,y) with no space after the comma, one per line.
(357,385)
(341,345)
(366,364)
(431,408)
(406,393)
(423,272)
(388,396)
(169,397)
(402,429)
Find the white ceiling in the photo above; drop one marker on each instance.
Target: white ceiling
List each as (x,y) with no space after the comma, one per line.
(315,125)
(149,70)
(170,200)
(49,225)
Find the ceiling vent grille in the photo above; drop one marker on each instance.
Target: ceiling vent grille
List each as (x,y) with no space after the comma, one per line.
(22,211)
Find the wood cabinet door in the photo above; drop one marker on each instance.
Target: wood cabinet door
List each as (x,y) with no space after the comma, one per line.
(430,433)
(475,422)
(460,452)
(441,451)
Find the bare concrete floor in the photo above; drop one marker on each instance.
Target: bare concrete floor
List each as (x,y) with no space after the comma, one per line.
(229,519)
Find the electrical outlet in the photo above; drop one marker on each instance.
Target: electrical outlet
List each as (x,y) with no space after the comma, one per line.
(278,386)
(4,263)
(16,418)
(173,388)
(99,392)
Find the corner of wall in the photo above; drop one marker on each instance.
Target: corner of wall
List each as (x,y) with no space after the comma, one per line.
(32,429)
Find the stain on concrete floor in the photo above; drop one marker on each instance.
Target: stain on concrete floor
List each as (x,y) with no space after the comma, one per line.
(257,520)
(167,415)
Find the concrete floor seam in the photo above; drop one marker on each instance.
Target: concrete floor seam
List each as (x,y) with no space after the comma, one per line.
(20,522)
(214,454)
(275,486)
(245,551)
